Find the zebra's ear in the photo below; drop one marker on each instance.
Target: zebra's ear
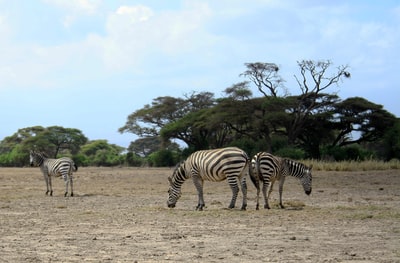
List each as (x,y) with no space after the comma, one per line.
(311,167)
(169,180)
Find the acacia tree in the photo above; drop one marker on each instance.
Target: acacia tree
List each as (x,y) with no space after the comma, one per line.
(15,148)
(313,83)
(265,76)
(101,153)
(19,138)
(147,145)
(64,139)
(151,118)
(358,120)
(164,114)
(295,116)
(391,141)
(195,129)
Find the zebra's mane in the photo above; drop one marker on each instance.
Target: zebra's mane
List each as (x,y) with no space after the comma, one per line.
(175,172)
(40,153)
(292,163)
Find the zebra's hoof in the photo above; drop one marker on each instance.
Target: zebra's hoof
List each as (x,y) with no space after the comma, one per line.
(200,207)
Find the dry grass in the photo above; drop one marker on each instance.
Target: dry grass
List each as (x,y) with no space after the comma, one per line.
(344,166)
(120,215)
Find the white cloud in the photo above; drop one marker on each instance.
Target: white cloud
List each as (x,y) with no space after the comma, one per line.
(88,7)
(75,8)
(135,13)
(137,33)
(5,29)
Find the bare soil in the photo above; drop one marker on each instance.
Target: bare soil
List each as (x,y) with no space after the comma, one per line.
(120,215)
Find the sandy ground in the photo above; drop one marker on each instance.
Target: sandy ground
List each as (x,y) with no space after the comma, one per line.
(120,215)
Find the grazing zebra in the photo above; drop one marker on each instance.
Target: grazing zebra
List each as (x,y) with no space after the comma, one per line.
(211,165)
(269,168)
(54,167)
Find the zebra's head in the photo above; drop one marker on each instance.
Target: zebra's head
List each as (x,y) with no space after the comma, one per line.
(32,158)
(175,183)
(306,179)
(36,158)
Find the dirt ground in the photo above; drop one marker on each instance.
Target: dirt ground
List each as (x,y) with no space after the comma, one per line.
(120,215)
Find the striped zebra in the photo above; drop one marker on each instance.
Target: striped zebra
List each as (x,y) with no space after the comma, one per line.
(268,168)
(211,165)
(54,167)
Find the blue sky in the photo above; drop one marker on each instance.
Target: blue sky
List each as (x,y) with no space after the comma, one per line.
(89,64)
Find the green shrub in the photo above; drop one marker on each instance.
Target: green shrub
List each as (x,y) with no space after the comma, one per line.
(290,152)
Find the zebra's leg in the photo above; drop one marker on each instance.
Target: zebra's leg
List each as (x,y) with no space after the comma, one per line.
(270,188)
(233,183)
(50,185)
(264,190)
(244,192)
(281,182)
(258,198)
(46,180)
(256,181)
(66,181)
(70,181)
(198,183)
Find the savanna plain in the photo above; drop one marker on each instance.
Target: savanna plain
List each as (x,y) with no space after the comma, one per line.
(120,215)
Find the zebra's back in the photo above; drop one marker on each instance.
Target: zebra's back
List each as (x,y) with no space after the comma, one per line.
(218,164)
(59,167)
(269,166)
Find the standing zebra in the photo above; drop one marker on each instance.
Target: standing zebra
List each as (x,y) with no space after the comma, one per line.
(269,168)
(215,166)
(54,167)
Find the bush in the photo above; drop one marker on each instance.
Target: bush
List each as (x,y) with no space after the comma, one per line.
(353,152)
(290,152)
(162,158)
(81,160)
(133,159)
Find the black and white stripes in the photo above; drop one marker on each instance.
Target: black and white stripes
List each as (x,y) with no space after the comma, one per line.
(268,168)
(54,167)
(212,165)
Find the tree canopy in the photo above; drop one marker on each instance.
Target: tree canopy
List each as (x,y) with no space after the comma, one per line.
(310,120)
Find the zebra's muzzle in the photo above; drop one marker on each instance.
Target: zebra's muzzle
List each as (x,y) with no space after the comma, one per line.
(171,205)
(308,192)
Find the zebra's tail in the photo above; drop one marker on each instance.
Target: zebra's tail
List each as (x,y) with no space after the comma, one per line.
(76,167)
(254,173)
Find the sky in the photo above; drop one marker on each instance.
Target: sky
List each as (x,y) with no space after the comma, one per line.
(88,64)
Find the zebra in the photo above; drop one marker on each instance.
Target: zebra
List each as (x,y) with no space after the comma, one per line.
(269,168)
(215,165)
(54,167)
